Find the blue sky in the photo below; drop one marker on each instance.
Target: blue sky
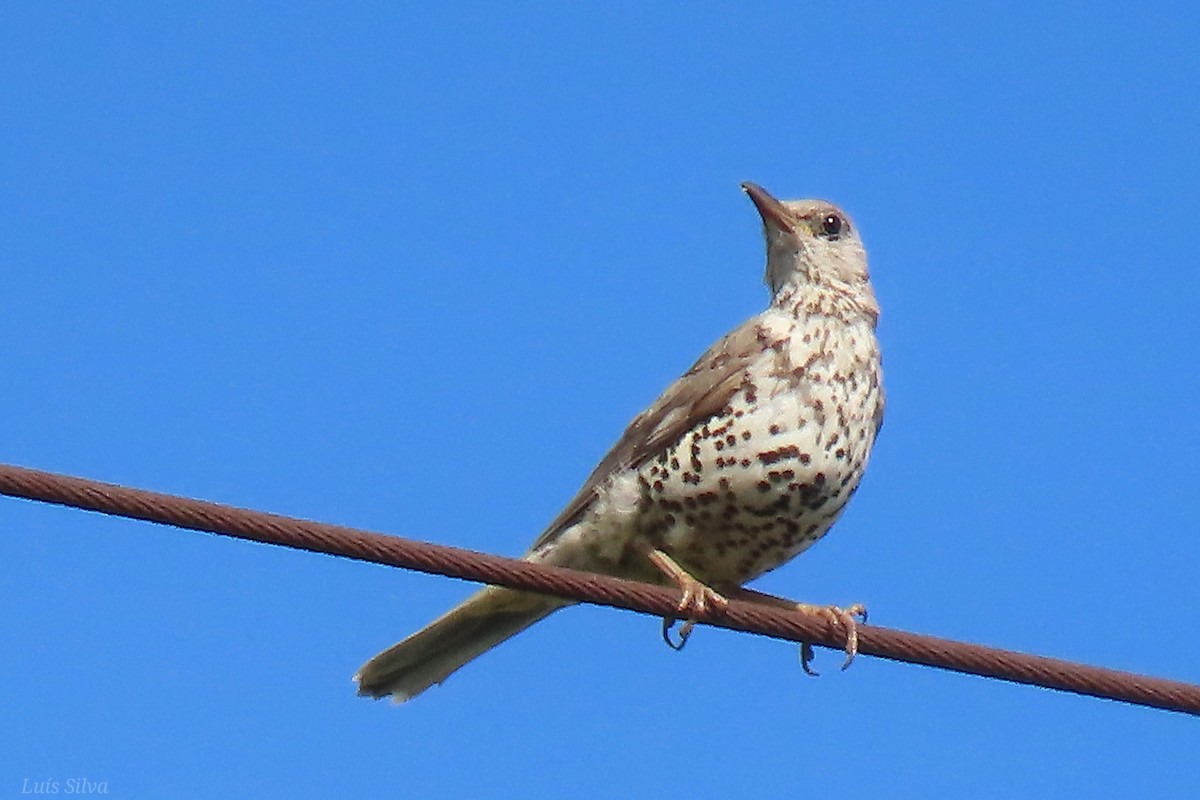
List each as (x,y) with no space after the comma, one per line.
(412,267)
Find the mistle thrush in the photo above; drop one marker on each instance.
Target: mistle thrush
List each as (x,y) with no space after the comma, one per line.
(740,465)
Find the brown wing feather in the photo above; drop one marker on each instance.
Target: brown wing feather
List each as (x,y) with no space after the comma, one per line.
(698,395)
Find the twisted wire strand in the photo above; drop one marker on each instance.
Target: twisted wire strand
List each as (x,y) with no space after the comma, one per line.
(765,620)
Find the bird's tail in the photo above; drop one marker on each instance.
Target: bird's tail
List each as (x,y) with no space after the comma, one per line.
(430,655)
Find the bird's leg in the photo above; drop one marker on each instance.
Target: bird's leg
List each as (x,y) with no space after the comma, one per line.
(697,596)
(847,618)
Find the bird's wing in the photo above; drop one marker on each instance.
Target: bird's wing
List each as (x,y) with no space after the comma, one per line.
(698,395)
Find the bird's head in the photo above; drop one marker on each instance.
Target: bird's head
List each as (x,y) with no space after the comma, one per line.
(812,243)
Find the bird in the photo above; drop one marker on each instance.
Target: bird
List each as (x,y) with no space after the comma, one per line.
(740,465)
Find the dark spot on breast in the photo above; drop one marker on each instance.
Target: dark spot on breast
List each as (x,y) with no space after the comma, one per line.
(771,456)
(656,527)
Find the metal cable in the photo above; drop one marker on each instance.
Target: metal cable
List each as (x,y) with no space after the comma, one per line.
(749,617)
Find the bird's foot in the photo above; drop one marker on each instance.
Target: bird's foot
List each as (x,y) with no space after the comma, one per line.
(697,596)
(847,618)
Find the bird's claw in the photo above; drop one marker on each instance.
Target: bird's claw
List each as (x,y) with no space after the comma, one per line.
(696,598)
(684,632)
(847,618)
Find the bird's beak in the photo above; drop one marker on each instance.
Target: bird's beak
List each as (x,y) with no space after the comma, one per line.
(774,213)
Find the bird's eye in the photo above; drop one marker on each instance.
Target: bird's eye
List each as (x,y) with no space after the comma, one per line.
(831,226)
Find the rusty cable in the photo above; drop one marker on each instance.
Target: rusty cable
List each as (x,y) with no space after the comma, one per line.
(317,537)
